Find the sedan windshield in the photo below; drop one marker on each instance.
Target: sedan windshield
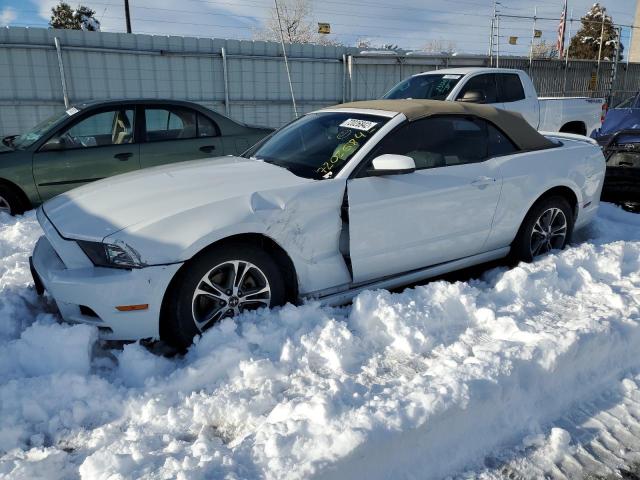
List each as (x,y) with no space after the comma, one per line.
(318,145)
(429,87)
(27,139)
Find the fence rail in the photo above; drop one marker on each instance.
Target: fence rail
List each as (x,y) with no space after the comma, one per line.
(244,79)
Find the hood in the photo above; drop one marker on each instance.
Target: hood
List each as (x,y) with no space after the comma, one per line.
(620,119)
(99,209)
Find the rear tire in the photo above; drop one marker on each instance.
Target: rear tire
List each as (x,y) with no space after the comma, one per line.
(548,226)
(216,284)
(10,200)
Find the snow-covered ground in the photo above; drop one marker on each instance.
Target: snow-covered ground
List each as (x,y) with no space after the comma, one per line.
(528,372)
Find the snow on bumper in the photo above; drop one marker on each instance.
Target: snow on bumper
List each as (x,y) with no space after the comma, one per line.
(88,294)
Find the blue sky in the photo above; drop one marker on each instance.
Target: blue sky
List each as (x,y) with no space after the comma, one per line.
(407,23)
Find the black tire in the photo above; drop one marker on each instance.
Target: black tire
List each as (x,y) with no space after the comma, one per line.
(11,198)
(523,247)
(178,325)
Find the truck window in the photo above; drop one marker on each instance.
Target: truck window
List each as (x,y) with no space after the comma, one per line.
(509,88)
(429,87)
(485,84)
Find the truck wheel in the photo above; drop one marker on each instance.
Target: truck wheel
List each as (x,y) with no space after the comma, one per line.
(219,283)
(10,201)
(548,226)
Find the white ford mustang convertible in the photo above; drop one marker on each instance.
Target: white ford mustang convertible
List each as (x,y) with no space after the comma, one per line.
(363,195)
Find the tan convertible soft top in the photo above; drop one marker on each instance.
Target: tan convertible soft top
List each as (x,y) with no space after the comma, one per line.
(511,123)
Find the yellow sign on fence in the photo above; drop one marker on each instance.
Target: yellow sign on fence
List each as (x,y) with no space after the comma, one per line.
(324,28)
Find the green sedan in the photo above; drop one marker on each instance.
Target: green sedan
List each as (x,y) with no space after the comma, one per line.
(95,140)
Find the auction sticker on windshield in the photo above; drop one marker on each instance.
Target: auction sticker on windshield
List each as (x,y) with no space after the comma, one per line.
(72,111)
(356,124)
(452,77)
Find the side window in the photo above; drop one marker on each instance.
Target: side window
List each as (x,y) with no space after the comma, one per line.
(438,142)
(485,84)
(499,144)
(113,127)
(510,88)
(169,124)
(207,127)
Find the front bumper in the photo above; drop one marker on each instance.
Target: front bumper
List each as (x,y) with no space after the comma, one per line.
(88,294)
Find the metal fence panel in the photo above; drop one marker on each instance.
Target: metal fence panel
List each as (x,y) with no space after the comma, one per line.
(101,65)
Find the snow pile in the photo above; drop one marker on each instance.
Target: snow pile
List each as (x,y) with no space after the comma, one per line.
(423,383)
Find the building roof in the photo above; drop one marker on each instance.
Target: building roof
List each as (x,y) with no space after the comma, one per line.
(512,124)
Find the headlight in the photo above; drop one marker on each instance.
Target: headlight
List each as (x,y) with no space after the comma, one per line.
(110,255)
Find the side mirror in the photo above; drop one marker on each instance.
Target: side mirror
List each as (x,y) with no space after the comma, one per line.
(473,96)
(54,144)
(390,164)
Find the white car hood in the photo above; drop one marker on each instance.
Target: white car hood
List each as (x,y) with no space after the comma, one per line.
(99,209)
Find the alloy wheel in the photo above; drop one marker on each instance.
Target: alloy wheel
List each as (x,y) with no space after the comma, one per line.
(227,290)
(549,232)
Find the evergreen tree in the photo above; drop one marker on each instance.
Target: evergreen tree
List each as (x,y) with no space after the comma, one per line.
(62,17)
(82,18)
(586,42)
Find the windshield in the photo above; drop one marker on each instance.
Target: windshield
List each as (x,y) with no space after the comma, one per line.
(27,139)
(628,103)
(318,145)
(429,87)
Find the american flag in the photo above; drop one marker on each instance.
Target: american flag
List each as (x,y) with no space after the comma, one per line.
(561,28)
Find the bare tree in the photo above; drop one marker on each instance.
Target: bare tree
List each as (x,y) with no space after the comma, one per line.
(296,17)
(439,46)
(545,50)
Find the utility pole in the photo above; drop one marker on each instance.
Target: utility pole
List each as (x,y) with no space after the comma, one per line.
(127,15)
(498,41)
(604,14)
(286,60)
(492,43)
(533,37)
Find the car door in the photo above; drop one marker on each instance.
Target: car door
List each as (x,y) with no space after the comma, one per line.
(99,144)
(484,83)
(441,212)
(511,94)
(176,134)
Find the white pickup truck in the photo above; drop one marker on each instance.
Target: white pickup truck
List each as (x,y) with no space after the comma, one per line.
(508,89)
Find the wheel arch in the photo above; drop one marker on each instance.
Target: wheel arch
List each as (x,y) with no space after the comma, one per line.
(560,190)
(273,248)
(575,126)
(565,191)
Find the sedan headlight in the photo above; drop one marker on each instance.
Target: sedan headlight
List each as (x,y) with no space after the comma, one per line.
(111,255)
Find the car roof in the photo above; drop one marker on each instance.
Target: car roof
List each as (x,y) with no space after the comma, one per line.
(137,101)
(468,70)
(512,124)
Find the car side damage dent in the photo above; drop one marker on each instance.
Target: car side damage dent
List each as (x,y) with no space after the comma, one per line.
(303,219)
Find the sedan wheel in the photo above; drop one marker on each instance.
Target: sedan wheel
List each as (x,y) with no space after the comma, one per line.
(548,226)
(219,283)
(227,290)
(549,232)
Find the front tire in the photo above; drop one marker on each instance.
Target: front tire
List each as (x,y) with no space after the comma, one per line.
(548,226)
(216,284)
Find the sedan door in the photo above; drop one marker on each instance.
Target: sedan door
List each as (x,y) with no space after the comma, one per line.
(176,134)
(99,144)
(441,212)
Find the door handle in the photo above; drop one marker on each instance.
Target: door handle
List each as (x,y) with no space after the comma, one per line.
(483,181)
(208,148)
(123,156)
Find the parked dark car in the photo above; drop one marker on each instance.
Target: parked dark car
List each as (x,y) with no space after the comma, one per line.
(622,179)
(95,140)
(624,116)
